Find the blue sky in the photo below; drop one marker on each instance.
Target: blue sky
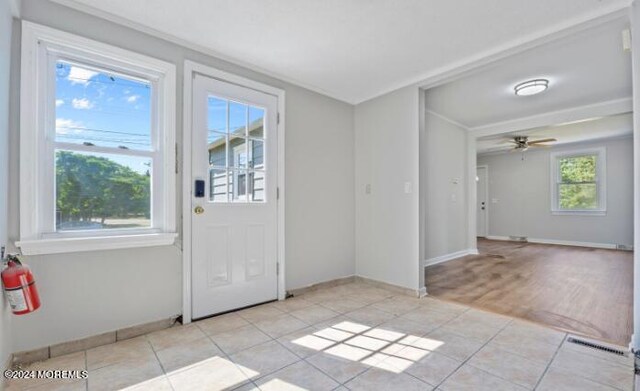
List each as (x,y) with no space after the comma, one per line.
(112,111)
(104,109)
(217,117)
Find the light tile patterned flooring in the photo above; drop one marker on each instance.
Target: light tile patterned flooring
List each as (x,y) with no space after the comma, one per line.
(352,336)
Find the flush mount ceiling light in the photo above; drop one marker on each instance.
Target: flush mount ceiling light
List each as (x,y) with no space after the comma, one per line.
(531,87)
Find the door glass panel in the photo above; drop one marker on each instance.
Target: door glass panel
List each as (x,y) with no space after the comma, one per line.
(217,115)
(237,119)
(256,122)
(236,146)
(238,152)
(256,186)
(218,151)
(239,185)
(218,185)
(256,154)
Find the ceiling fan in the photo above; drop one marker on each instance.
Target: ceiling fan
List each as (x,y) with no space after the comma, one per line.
(522,143)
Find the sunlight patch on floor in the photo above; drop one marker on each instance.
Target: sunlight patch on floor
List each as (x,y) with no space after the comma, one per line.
(377,347)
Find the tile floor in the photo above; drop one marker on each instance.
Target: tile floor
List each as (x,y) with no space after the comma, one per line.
(353,336)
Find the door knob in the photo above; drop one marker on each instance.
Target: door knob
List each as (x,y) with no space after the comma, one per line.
(198,210)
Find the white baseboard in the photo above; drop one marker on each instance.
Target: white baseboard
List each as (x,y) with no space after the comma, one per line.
(448,257)
(609,246)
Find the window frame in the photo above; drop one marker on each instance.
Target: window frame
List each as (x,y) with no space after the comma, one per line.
(600,181)
(42,47)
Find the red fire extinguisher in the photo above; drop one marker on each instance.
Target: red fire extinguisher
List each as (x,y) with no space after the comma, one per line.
(20,287)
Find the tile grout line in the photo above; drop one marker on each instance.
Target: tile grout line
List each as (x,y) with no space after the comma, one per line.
(476,352)
(546,369)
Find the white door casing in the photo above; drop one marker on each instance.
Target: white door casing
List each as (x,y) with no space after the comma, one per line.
(234,238)
(482,197)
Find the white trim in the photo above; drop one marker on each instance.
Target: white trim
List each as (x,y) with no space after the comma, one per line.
(191,68)
(486,197)
(558,242)
(36,214)
(448,257)
(67,245)
(601,180)
(449,120)
(634,13)
(601,109)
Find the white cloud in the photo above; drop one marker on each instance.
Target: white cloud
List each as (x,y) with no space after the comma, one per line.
(81,104)
(133,98)
(80,75)
(59,102)
(68,126)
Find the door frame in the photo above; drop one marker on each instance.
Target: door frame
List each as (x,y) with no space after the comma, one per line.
(486,197)
(190,69)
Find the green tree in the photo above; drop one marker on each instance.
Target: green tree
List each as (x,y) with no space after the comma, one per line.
(578,188)
(92,187)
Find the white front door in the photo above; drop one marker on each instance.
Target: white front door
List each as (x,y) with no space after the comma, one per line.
(482,195)
(234,197)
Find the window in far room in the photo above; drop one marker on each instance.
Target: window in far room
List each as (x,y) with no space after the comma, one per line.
(578,182)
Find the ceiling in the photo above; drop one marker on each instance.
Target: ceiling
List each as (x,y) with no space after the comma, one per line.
(588,130)
(353,49)
(583,69)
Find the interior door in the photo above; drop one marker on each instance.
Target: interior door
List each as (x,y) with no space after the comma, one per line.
(234,197)
(482,195)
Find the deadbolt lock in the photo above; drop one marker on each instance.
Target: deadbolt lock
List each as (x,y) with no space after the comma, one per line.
(198,210)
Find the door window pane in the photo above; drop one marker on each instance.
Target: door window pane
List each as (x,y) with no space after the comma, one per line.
(256,185)
(237,119)
(218,185)
(238,152)
(218,151)
(236,146)
(239,185)
(97,107)
(217,115)
(102,191)
(256,122)
(256,158)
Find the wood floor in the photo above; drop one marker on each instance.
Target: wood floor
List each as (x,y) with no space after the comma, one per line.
(584,290)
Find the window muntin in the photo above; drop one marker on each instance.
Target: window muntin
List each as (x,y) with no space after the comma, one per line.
(236,148)
(578,185)
(103,136)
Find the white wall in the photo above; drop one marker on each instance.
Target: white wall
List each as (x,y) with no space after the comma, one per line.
(522,189)
(387,157)
(445,173)
(85,294)
(6,23)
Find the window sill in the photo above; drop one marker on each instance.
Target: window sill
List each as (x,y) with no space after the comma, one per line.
(68,245)
(579,212)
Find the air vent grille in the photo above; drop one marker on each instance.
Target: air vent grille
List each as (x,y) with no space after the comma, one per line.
(597,346)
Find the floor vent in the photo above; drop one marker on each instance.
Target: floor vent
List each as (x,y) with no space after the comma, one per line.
(518,238)
(597,346)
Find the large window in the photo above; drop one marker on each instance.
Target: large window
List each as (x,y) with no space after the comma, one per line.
(578,182)
(97,145)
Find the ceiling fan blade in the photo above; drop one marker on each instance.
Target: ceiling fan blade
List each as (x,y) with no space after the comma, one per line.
(539,145)
(544,140)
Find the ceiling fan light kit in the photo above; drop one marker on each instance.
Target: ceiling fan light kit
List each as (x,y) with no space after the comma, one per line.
(531,87)
(522,143)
